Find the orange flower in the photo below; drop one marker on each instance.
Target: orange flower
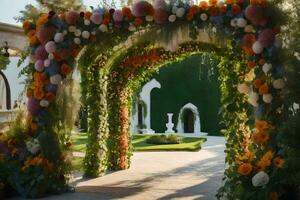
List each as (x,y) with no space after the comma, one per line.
(57,57)
(264,137)
(31,33)
(251,64)
(189,16)
(256,138)
(278,162)
(42,20)
(239,1)
(39,94)
(229,2)
(65,69)
(254,2)
(203,5)
(75,51)
(34,40)
(262,125)
(222,8)
(248,51)
(29,93)
(235,9)
(50,96)
(87,15)
(245,169)
(214,11)
(26,25)
(105,21)
(274,196)
(213,2)
(261,61)
(264,89)
(194,9)
(257,83)
(127,12)
(138,22)
(264,3)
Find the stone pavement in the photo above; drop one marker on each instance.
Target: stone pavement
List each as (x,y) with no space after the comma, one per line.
(159,176)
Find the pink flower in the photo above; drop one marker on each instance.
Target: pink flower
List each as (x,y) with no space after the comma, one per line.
(72,17)
(266,38)
(39,65)
(33,106)
(118,16)
(255,15)
(160,16)
(40,53)
(160,4)
(96,18)
(46,34)
(141,8)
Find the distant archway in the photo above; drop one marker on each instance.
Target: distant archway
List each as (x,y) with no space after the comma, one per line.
(5,95)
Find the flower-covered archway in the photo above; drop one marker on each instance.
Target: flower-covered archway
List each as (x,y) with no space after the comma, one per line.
(118,49)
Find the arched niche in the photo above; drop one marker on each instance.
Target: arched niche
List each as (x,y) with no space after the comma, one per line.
(5,96)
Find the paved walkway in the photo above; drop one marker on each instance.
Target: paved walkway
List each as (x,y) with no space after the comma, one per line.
(159,176)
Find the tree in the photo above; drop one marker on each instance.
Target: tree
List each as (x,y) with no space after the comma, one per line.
(32,12)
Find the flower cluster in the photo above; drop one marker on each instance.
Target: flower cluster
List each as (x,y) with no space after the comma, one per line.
(39,162)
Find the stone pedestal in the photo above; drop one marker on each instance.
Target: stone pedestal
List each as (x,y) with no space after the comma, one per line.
(170,124)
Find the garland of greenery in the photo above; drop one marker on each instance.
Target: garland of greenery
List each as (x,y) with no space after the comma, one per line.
(254,157)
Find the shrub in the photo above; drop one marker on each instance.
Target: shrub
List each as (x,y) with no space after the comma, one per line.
(164,139)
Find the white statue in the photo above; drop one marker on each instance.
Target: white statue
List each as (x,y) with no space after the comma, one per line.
(170,124)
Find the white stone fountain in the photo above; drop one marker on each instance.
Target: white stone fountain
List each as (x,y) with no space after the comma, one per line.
(170,124)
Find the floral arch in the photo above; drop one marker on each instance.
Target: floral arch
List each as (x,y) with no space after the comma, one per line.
(116,49)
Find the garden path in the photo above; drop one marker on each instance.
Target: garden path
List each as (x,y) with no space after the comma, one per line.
(159,175)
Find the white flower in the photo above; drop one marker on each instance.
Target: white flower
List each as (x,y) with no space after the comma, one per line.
(33,146)
(59,37)
(172,18)
(241,22)
(267,98)
(278,84)
(103,28)
(260,179)
(77,41)
(132,28)
(86,34)
(44,103)
(296,106)
(257,47)
(55,79)
(72,28)
(77,33)
(180,12)
(203,17)
(149,18)
(243,88)
(174,9)
(249,29)
(47,63)
(267,67)
(233,22)
(253,97)
(87,22)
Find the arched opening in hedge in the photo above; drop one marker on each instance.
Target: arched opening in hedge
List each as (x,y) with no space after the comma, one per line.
(122,48)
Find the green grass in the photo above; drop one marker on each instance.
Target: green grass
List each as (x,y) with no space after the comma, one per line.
(77,164)
(188,144)
(139,144)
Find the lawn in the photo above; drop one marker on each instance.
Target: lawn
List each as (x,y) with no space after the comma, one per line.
(139,144)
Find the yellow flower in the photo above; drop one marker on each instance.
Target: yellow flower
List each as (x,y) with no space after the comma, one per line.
(3,137)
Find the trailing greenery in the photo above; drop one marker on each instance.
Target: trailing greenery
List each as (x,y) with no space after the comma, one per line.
(4,61)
